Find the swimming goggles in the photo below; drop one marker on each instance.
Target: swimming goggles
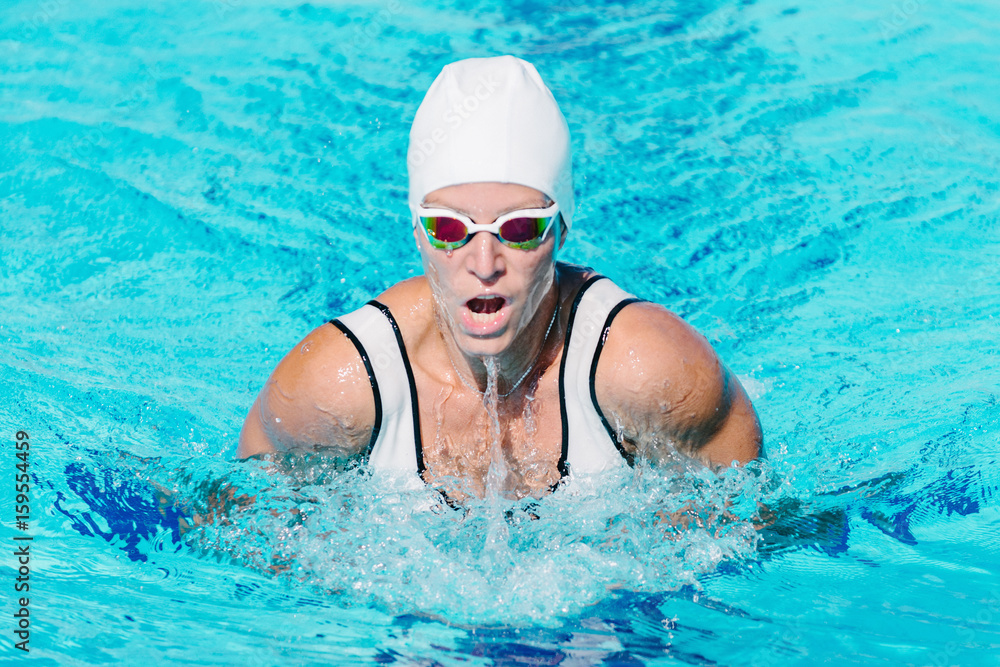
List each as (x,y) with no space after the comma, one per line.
(525,229)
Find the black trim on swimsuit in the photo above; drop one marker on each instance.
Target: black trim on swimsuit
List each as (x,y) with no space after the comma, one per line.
(415,406)
(371,378)
(593,375)
(564,454)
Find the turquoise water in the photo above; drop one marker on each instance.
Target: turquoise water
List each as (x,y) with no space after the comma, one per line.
(187,188)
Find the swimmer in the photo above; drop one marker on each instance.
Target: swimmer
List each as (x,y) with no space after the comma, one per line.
(500,347)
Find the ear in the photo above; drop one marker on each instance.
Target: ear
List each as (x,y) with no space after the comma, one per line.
(416,237)
(562,232)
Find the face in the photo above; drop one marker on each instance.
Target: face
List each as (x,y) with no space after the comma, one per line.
(487,293)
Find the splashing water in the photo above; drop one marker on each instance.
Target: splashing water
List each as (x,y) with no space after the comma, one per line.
(496,477)
(498,473)
(369,541)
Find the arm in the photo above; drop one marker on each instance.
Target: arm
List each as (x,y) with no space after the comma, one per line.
(319,397)
(662,382)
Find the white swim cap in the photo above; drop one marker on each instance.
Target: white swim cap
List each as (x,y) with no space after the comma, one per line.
(490,120)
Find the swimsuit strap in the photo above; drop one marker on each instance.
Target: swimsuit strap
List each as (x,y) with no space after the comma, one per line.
(396,445)
(589,443)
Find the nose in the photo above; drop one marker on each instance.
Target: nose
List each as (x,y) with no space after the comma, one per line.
(485,259)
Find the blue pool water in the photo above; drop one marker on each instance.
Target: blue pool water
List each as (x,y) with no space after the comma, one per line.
(187,188)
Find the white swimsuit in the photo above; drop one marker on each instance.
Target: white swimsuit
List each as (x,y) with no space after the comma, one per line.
(589,443)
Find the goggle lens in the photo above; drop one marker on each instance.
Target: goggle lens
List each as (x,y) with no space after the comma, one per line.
(448,230)
(521,230)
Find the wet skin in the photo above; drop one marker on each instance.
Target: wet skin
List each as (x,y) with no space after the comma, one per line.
(658,379)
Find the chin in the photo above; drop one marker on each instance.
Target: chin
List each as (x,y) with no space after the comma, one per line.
(478,347)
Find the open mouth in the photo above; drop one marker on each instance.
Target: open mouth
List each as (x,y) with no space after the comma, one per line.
(483,309)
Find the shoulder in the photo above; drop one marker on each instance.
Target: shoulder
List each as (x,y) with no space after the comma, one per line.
(412,307)
(409,300)
(651,351)
(319,396)
(661,379)
(321,364)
